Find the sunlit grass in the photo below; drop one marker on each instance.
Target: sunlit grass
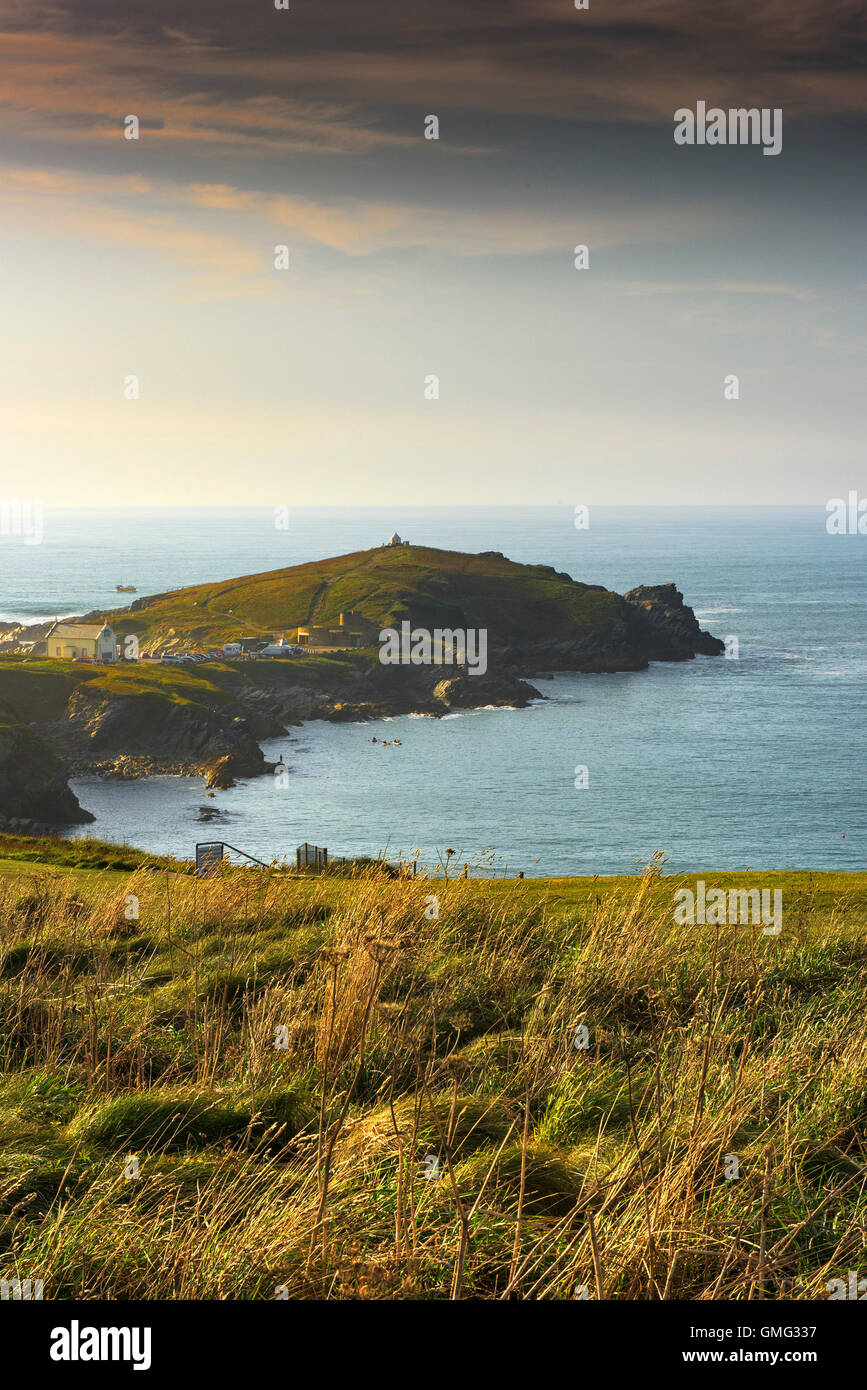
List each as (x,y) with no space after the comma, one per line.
(318,1087)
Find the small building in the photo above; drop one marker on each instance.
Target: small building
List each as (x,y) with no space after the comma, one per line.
(352,630)
(281,648)
(246,646)
(84,641)
(395,540)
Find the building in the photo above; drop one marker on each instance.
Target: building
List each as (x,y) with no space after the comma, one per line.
(247,646)
(87,641)
(353,630)
(281,648)
(395,540)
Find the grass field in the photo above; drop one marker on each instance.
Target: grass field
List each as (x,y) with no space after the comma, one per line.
(378,1087)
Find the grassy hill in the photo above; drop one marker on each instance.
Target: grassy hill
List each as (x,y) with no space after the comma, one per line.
(435,588)
(427,1127)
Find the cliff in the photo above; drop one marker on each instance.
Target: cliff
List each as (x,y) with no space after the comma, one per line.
(33,781)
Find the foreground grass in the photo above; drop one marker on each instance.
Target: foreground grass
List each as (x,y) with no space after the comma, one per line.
(268,1086)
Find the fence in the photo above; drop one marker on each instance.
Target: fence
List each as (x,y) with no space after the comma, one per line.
(305,855)
(210,854)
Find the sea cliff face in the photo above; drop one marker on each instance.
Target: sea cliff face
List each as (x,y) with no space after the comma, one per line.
(118,735)
(33,781)
(649,623)
(667,626)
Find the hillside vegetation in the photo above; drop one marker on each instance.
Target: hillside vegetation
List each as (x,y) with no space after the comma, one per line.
(270,1085)
(436,588)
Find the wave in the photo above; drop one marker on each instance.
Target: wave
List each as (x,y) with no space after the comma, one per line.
(38,615)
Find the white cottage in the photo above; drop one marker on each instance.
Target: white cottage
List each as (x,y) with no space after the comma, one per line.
(88,640)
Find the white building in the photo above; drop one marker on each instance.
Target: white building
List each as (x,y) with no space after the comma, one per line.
(88,640)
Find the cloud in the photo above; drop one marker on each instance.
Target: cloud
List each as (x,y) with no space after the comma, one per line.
(100,210)
(346,79)
(225,229)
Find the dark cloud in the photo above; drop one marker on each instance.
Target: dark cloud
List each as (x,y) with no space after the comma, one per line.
(505,54)
(230,90)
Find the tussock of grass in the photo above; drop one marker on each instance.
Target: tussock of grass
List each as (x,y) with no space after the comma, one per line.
(426,1127)
(154,1121)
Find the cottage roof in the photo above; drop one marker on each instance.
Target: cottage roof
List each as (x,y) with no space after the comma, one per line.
(78,631)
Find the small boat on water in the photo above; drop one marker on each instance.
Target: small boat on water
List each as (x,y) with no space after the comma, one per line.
(125,589)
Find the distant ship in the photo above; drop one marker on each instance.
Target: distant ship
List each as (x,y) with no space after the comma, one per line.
(125,589)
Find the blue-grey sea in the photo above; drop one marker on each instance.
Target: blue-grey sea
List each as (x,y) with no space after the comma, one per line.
(721,763)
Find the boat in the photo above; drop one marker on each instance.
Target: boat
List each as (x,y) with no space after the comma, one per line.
(125,589)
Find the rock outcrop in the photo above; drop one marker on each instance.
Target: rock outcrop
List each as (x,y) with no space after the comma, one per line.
(222,772)
(387,691)
(34,791)
(667,626)
(127,735)
(469,692)
(649,623)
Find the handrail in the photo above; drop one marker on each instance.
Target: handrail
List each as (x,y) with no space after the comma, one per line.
(234,848)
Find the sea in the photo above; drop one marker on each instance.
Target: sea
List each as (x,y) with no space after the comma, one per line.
(751,760)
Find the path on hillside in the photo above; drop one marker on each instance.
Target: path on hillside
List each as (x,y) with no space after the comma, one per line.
(322,592)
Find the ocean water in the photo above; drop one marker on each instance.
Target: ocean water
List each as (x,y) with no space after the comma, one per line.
(756,762)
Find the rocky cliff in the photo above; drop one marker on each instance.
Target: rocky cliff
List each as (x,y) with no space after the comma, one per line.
(126,735)
(667,627)
(34,792)
(649,623)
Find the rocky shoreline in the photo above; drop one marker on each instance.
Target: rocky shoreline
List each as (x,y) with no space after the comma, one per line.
(123,737)
(118,734)
(105,734)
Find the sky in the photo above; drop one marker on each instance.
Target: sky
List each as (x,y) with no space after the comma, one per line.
(412,258)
